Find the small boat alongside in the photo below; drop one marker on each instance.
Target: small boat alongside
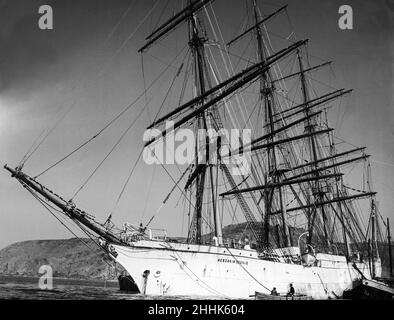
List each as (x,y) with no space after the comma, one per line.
(264,296)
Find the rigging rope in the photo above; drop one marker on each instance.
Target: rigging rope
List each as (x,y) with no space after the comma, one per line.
(161,15)
(130,36)
(26,156)
(171,85)
(199,280)
(108,154)
(148,194)
(240,264)
(110,122)
(110,34)
(135,164)
(45,205)
(127,181)
(144,82)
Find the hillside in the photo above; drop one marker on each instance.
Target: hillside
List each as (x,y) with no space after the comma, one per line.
(69,258)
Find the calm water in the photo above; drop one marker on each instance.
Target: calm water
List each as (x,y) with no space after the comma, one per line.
(15,287)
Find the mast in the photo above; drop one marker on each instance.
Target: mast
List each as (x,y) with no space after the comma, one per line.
(347,246)
(196,45)
(310,128)
(266,89)
(333,155)
(172,23)
(389,241)
(196,42)
(373,237)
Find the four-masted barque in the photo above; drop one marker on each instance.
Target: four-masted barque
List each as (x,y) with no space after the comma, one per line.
(301,218)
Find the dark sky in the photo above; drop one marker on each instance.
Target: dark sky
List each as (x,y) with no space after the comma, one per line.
(83,61)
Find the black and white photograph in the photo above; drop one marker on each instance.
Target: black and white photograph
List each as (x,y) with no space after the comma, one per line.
(219,152)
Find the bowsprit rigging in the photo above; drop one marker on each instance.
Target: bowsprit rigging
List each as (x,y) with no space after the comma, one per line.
(294,197)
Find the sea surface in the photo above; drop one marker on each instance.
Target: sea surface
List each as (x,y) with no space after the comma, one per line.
(27,288)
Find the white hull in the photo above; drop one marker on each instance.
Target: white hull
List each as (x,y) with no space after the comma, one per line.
(182,269)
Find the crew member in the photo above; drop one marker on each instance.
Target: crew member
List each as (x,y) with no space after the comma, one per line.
(291,290)
(274,292)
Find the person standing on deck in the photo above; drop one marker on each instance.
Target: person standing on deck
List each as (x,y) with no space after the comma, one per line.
(291,291)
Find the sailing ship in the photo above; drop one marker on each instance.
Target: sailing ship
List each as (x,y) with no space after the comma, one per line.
(294,199)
